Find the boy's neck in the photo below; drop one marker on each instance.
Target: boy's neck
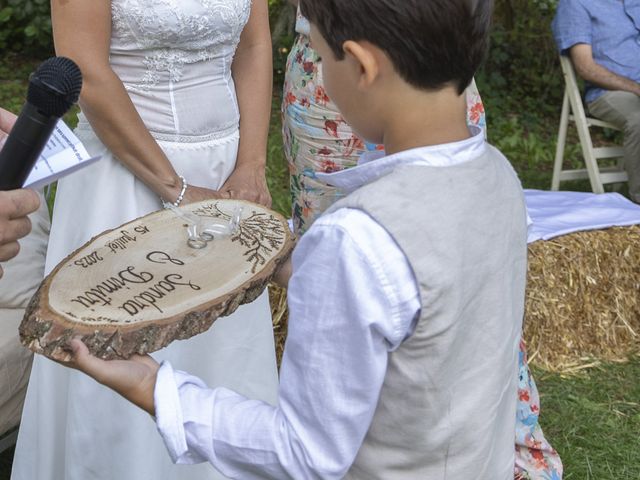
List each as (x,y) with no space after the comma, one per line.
(421,119)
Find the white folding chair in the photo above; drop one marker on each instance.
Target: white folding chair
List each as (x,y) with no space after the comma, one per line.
(573,109)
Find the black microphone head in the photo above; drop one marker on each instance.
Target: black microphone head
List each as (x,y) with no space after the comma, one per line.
(55,86)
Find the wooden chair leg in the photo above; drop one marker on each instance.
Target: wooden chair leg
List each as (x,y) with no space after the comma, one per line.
(588,154)
(560,146)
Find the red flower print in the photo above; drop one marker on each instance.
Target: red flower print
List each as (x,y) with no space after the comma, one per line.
(324,151)
(476,112)
(305,102)
(353,144)
(329,166)
(308,67)
(534,408)
(538,456)
(321,96)
(331,127)
(291,99)
(533,445)
(523,395)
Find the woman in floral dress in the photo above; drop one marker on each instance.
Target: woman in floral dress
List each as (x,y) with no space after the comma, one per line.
(317,139)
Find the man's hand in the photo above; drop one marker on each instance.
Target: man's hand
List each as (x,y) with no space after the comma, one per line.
(7,120)
(247,183)
(134,379)
(15,205)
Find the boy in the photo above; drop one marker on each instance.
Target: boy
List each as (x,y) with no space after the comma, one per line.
(406,298)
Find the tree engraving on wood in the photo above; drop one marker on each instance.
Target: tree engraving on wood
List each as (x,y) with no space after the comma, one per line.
(260,233)
(138,287)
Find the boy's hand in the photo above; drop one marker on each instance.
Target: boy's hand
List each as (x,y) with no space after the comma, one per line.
(282,276)
(134,379)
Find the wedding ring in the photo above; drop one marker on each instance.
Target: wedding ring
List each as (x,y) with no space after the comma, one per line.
(197,244)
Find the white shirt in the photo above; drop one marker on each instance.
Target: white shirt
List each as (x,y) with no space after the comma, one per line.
(352,299)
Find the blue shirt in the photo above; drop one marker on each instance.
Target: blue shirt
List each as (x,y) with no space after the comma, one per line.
(611,27)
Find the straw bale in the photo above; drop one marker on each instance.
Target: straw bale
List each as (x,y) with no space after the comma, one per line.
(583,298)
(582,304)
(280,317)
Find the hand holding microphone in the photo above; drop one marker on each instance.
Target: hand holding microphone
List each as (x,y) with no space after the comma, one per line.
(53,88)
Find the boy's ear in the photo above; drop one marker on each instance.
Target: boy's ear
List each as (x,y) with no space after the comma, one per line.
(363,55)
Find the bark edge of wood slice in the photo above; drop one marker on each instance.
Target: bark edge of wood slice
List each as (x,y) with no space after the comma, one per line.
(139,287)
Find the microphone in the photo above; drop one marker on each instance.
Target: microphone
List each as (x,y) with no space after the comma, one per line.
(53,88)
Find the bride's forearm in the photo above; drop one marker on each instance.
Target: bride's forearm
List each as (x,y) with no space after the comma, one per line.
(82,32)
(117,123)
(252,74)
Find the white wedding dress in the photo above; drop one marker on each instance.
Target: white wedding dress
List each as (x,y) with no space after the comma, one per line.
(174,58)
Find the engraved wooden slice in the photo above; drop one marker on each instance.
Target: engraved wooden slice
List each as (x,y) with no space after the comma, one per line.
(137,288)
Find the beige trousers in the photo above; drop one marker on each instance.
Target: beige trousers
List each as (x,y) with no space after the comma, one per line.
(623,110)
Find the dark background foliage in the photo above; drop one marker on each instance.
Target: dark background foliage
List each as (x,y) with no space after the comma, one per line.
(522,62)
(25,26)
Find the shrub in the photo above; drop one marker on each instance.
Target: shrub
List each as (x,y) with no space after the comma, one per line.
(25,25)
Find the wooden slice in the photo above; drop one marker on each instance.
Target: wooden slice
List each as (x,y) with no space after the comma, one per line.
(137,288)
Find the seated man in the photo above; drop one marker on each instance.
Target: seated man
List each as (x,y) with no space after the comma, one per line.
(602,38)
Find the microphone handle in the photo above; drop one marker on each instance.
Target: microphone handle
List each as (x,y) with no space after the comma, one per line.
(23,146)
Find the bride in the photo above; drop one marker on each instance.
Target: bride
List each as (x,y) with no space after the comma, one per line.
(176,99)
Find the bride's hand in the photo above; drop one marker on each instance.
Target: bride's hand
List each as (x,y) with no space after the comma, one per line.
(247,183)
(198,194)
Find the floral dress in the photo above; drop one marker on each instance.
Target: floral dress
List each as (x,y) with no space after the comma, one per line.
(317,139)
(535,457)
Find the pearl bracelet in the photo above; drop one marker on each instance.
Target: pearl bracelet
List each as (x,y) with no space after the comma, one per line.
(181,195)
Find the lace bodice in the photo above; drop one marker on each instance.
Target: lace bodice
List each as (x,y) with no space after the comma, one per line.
(174,58)
(188,30)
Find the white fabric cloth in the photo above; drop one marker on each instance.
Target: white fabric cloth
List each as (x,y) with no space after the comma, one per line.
(364,303)
(559,213)
(174,59)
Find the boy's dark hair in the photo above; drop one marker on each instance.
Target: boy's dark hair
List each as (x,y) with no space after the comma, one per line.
(431,43)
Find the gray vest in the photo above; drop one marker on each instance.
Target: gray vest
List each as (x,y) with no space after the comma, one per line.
(448,404)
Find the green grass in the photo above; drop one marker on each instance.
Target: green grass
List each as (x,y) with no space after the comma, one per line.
(277,169)
(593,420)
